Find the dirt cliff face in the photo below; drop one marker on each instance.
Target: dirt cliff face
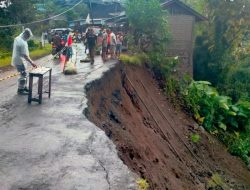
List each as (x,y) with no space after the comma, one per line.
(153,139)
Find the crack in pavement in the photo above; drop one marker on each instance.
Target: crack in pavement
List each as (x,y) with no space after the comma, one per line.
(91,140)
(107,173)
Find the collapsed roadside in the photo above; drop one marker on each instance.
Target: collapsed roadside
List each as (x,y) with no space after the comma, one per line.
(155,140)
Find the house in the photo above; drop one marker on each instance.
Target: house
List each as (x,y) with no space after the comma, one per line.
(182,19)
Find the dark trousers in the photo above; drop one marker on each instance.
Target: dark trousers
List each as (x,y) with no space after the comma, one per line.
(92,54)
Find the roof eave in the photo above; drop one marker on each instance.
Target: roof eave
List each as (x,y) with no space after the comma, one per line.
(198,16)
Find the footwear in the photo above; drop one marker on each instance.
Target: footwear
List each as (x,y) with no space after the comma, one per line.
(22,92)
(85,60)
(26,89)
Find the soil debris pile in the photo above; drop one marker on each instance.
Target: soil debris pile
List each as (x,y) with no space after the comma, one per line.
(155,140)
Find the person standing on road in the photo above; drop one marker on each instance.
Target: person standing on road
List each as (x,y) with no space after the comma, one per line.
(111,39)
(104,45)
(20,57)
(119,40)
(91,42)
(56,40)
(85,40)
(68,45)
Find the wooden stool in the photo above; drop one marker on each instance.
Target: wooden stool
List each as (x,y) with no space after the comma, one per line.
(39,72)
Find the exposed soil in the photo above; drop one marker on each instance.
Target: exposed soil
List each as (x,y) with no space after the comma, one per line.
(153,138)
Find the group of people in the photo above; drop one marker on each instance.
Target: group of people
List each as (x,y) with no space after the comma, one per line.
(107,40)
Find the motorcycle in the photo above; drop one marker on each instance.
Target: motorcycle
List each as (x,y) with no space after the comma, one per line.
(56,51)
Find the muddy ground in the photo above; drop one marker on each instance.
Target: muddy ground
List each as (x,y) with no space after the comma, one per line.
(153,139)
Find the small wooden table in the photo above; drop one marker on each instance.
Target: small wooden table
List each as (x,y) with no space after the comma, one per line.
(39,72)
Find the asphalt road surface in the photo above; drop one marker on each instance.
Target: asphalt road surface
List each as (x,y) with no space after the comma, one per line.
(53,146)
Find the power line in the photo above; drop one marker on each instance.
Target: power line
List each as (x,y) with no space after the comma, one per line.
(38,21)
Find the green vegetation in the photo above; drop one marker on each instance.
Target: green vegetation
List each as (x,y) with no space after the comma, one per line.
(149,30)
(136,59)
(237,80)
(221,115)
(222,49)
(195,138)
(35,53)
(216,182)
(33,10)
(5,60)
(40,52)
(229,121)
(221,57)
(142,184)
(218,111)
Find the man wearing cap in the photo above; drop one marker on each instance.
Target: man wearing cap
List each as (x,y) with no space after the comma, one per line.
(20,57)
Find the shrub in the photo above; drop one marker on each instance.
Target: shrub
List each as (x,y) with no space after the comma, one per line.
(195,138)
(237,80)
(148,25)
(216,182)
(34,54)
(218,111)
(238,144)
(137,59)
(142,184)
(230,122)
(162,65)
(33,44)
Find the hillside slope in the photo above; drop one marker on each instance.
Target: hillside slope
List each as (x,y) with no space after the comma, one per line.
(153,139)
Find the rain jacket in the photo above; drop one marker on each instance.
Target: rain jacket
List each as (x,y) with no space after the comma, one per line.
(20,48)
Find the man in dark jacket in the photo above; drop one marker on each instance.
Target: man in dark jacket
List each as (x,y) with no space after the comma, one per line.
(91,42)
(56,40)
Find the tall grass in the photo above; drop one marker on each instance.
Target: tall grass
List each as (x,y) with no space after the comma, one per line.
(5,59)
(136,59)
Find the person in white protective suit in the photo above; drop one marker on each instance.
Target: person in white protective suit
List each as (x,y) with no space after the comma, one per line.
(20,58)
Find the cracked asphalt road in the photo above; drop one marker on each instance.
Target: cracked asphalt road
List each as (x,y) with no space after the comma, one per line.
(53,146)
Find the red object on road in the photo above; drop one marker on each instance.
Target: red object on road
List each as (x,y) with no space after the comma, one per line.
(62,61)
(70,40)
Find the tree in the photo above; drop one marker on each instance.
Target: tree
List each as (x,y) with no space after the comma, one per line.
(224,40)
(148,25)
(22,11)
(198,5)
(6,33)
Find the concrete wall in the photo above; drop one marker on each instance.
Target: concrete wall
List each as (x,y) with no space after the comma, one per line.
(181,27)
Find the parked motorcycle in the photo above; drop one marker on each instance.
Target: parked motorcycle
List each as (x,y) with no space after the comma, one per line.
(55,51)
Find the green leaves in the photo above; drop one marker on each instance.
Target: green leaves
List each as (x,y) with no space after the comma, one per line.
(223,45)
(230,122)
(195,138)
(137,59)
(224,102)
(148,23)
(218,111)
(222,126)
